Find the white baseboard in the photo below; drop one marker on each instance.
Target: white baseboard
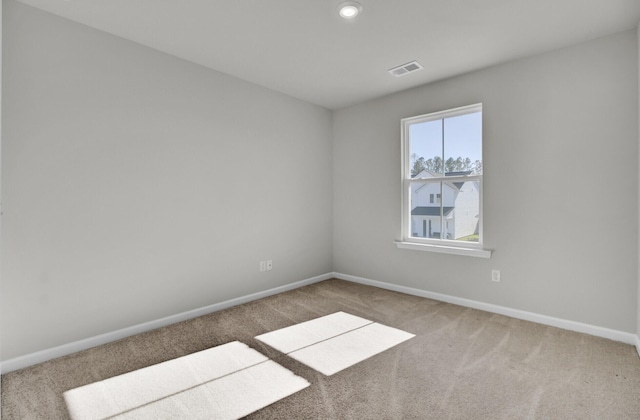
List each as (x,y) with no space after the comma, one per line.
(87,343)
(615,335)
(66,349)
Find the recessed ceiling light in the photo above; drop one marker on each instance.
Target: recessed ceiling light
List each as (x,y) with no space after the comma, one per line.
(349,9)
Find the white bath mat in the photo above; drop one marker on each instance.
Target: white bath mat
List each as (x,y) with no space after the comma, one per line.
(334,342)
(224,382)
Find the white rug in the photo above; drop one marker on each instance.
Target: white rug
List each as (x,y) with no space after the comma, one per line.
(334,342)
(224,382)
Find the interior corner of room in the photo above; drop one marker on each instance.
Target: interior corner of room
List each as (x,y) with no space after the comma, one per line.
(140,189)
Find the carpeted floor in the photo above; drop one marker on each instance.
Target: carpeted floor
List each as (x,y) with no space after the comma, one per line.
(462,364)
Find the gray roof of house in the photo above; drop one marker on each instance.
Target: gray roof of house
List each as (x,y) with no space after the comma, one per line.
(458,185)
(430,211)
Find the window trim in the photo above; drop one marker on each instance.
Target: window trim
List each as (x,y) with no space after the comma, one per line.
(429,244)
(442,249)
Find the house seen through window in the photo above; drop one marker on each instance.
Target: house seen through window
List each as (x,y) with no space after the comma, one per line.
(442,172)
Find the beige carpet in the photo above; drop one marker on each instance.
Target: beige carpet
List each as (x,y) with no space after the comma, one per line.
(461,364)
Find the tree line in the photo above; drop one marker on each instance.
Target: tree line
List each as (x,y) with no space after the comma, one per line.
(436,164)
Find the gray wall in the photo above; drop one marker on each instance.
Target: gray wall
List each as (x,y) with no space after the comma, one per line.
(136,185)
(560,185)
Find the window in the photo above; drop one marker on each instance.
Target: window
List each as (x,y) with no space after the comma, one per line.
(442,182)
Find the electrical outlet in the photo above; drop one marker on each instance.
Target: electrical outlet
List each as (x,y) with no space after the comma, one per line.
(269,265)
(495,276)
(263,266)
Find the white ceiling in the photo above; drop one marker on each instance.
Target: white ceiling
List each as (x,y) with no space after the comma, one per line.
(303,49)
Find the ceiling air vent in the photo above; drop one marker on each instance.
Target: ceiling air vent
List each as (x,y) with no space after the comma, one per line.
(405,69)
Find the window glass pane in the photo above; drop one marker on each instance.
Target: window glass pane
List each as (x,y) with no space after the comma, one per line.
(425,209)
(443,151)
(425,148)
(463,143)
(461,206)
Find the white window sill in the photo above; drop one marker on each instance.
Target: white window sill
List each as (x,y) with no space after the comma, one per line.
(443,249)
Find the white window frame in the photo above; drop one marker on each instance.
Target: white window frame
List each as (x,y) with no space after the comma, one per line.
(447,246)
